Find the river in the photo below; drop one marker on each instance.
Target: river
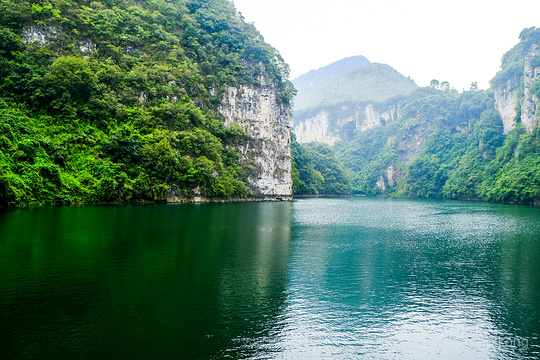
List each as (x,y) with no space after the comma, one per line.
(347,278)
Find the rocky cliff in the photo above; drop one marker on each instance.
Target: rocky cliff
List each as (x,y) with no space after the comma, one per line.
(267,154)
(331,124)
(346,97)
(529,100)
(515,97)
(139,102)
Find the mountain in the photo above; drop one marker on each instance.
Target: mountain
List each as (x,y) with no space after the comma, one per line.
(349,80)
(147,100)
(438,143)
(344,95)
(315,79)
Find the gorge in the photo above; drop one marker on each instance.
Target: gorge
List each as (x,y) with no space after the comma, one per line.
(431,142)
(126,102)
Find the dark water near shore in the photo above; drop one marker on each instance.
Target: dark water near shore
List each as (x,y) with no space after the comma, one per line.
(309,279)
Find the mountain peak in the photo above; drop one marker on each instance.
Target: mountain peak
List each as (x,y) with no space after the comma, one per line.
(352,79)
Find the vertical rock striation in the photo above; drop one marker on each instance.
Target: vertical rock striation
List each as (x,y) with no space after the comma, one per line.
(509,98)
(505,101)
(529,101)
(267,155)
(329,125)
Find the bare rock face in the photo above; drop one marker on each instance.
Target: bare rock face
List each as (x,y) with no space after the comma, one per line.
(529,102)
(506,97)
(322,127)
(268,154)
(375,116)
(505,102)
(316,129)
(40,35)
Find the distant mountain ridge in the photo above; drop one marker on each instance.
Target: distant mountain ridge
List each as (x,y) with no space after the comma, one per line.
(337,100)
(353,79)
(434,142)
(311,80)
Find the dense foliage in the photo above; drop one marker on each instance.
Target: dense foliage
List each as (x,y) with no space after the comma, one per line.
(317,171)
(116,100)
(446,145)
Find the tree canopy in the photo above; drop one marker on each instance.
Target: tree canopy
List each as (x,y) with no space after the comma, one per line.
(117,100)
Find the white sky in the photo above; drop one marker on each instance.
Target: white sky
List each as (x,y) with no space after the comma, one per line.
(459,41)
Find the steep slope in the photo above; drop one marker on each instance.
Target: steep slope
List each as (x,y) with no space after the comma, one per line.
(107,101)
(315,80)
(516,85)
(369,83)
(347,99)
(482,145)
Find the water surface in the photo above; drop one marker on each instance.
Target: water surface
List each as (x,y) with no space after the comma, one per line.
(309,279)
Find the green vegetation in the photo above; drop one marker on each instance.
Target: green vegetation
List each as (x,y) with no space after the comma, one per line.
(350,81)
(513,61)
(106,101)
(463,152)
(315,79)
(444,144)
(317,171)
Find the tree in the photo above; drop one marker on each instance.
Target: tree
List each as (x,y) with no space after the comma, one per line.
(434,84)
(445,86)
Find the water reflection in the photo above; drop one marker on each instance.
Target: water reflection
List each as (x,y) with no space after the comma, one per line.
(142,282)
(316,278)
(389,278)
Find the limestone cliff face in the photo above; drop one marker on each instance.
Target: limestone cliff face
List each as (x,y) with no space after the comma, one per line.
(316,128)
(324,127)
(505,102)
(529,102)
(377,116)
(268,153)
(507,96)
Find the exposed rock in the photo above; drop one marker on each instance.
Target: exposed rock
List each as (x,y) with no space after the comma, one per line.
(505,102)
(44,35)
(412,142)
(316,129)
(40,34)
(380,183)
(322,127)
(529,103)
(87,47)
(143,97)
(375,116)
(391,175)
(258,112)
(506,97)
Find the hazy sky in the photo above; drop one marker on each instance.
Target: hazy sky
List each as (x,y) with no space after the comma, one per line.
(459,41)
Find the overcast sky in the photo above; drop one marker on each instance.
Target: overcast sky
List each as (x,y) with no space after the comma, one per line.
(459,41)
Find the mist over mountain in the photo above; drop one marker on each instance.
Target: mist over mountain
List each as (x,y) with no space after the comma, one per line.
(432,142)
(352,79)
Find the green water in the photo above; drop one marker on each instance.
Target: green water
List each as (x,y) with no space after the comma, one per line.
(309,279)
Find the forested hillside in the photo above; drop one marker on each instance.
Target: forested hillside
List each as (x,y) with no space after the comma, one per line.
(318,172)
(353,79)
(106,101)
(453,145)
(337,100)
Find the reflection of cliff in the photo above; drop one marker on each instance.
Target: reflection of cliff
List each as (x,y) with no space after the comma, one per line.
(253,279)
(153,282)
